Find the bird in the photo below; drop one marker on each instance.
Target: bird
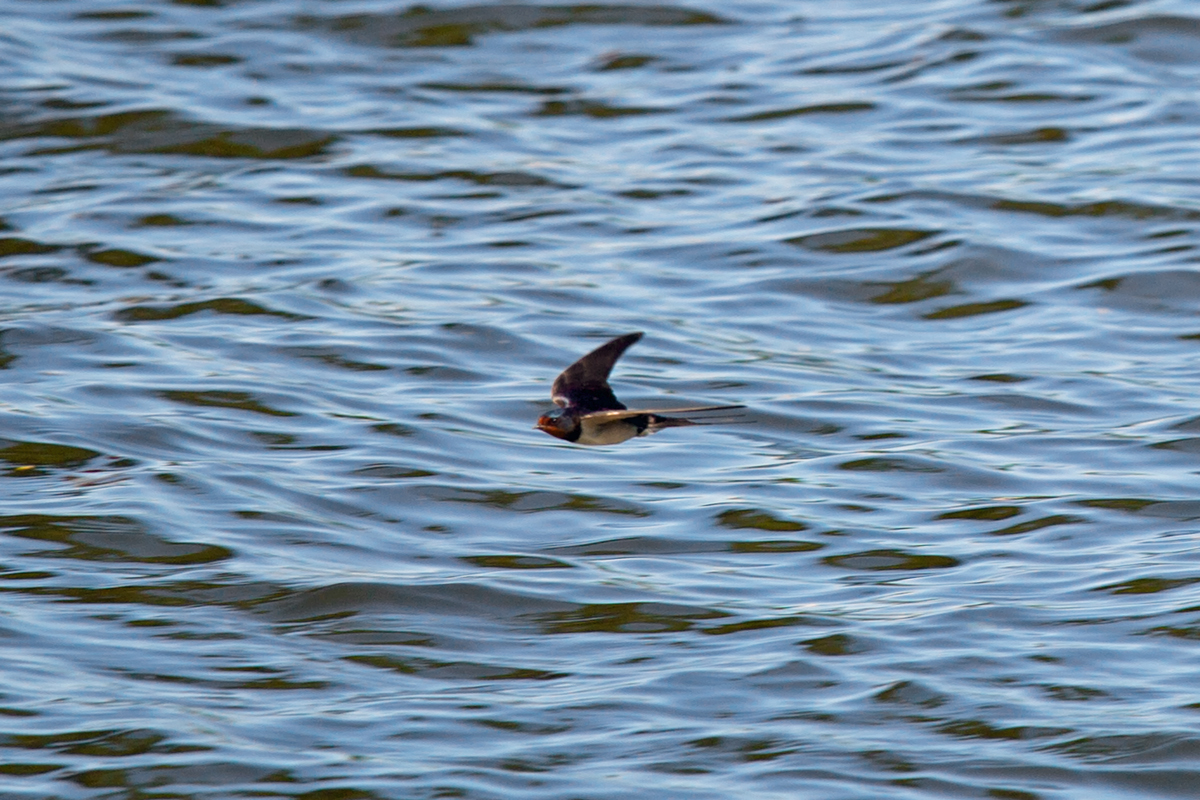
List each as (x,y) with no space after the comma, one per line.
(589,413)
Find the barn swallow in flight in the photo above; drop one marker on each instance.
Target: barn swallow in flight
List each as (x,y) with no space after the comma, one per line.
(592,414)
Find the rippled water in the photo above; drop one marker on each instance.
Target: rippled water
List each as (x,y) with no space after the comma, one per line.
(284,287)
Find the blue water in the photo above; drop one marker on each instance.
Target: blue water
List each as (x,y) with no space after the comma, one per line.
(284,287)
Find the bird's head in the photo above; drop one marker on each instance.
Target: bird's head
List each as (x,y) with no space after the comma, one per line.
(560,424)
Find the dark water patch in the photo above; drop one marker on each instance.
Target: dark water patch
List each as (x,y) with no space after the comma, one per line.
(108,539)
(624,61)
(637,618)
(653,194)
(43,275)
(1182,510)
(981,729)
(891,464)
(757,518)
(439,600)
(516,726)
(392,472)
(394,429)
(165,132)
(526,214)
(17,246)
(495,87)
(911,693)
(274,439)
(1137,210)
(913,290)
(377,638)
(654,545)
(332,358)
(595,109)
(1188,445)
(7,711)
(509,178)
(1146,585)
(799,111)
(237,593)
(146,35)
(988,513)
(105,743)
(455,670)
(422,26)
(1104,208)
(1034,136)
(743,749)
(851,68)
(775,546)
(975,309)
(1008,92)
(27,458)
(220,305)
(116,257)
(1170,233)
(758,625)
(530,502)
(1131,504)
(243,401)
(144,780)
(1137,748)
(860,240)
(1187,632)
(1037,524)
(837,644)
(114,14)
(516,562)
(204,60)
(441,373)
(876,560)
(276,683)
(640,546)
(419,132)
(46,275)
(22,770)
(1074,694)
(24,575)
(1000,377)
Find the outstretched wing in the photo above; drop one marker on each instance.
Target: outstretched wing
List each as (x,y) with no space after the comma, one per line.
(584,384)
(624,413)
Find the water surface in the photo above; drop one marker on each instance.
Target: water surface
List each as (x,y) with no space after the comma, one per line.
(284,287)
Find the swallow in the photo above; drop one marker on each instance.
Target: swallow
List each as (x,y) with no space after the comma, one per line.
(591,414)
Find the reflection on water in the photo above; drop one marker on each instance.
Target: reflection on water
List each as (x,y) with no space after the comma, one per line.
(285,286)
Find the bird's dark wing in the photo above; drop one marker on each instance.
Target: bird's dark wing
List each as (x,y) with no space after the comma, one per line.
(584,384)
(624,413)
